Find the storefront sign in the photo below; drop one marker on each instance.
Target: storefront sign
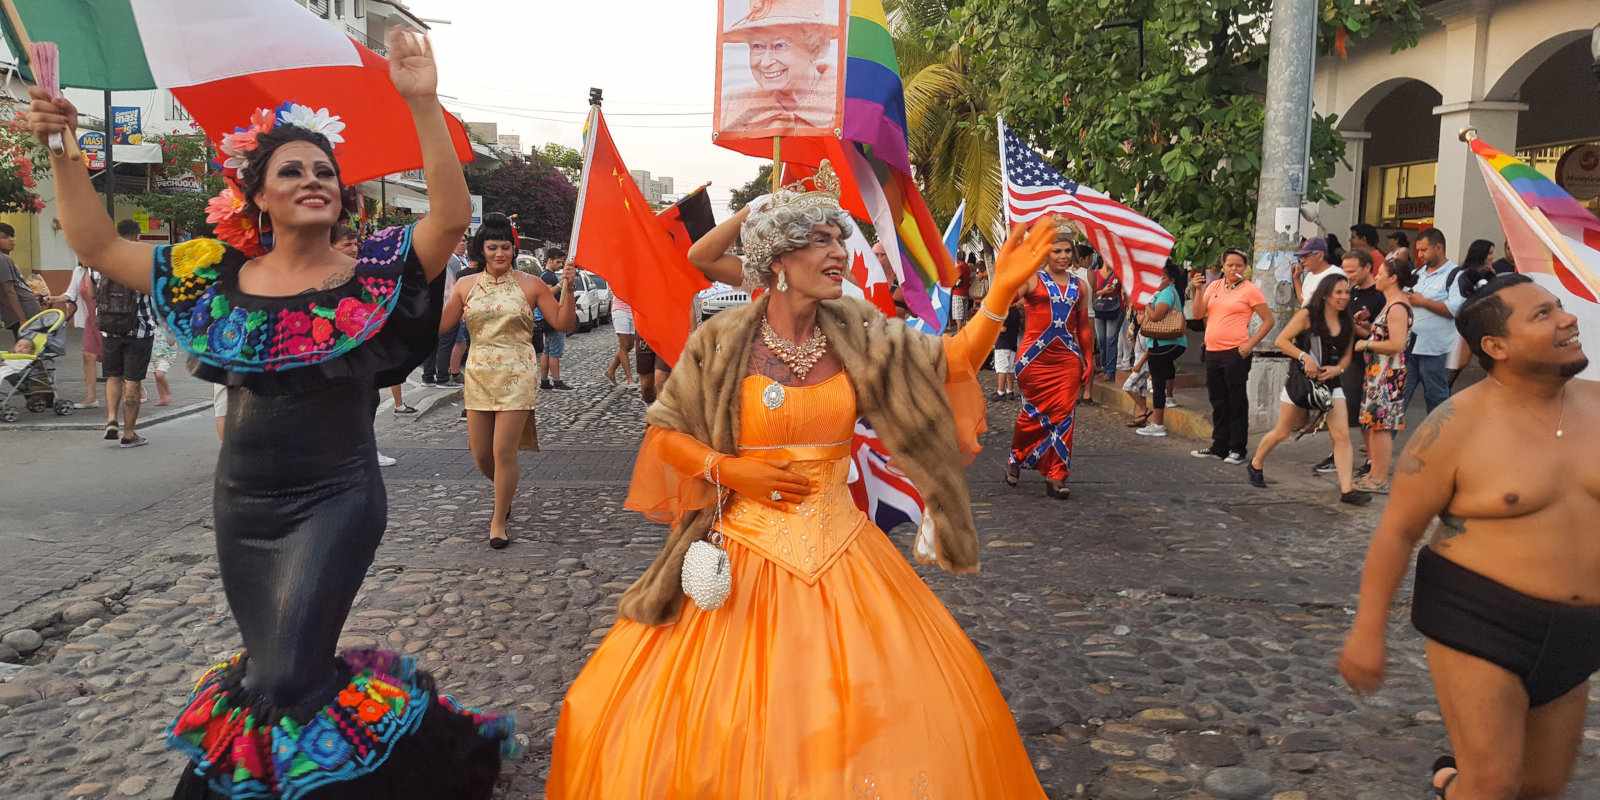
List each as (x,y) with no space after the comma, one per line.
(1414,207)
(1578,171)
(178,183)
(93,145)
(127,124)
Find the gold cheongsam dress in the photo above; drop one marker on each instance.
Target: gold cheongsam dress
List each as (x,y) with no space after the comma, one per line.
(501,373)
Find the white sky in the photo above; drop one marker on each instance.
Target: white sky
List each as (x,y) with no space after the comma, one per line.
(536,56)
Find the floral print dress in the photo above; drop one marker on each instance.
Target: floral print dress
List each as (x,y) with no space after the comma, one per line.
(1383,405)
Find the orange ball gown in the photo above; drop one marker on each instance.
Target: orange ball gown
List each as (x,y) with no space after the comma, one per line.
(832,671)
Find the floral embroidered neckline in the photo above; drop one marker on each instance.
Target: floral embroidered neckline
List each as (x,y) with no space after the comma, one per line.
(196,293)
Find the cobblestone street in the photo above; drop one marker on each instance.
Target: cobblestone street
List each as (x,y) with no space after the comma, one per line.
(1169,632)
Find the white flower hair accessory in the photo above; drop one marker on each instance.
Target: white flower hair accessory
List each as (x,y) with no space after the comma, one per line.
(318,120)
(225,212)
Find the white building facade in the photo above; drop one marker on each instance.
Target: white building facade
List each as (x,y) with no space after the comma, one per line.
(40,244)
(1521,72)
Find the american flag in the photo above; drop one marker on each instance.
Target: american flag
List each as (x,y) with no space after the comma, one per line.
(1136,247)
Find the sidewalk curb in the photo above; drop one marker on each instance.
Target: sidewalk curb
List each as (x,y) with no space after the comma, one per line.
(425,403)
(145,421)
(1185,422)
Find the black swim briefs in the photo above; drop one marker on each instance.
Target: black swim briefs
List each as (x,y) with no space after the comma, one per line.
(1552,648)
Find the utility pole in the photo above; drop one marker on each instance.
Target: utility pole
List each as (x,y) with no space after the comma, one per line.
(111,161)
(1285,153)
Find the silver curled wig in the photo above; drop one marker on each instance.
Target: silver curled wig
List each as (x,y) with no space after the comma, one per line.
(776,230)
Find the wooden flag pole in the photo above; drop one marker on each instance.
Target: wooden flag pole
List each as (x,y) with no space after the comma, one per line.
(66,144)
(777,161)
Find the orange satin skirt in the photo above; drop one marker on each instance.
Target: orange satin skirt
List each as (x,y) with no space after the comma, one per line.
(860,686)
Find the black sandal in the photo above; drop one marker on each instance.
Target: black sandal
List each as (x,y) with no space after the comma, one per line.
(1053,493)
(1012,477)
(1443,763)
(1140,420)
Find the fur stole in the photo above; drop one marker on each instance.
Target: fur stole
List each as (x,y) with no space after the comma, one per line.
(899,379)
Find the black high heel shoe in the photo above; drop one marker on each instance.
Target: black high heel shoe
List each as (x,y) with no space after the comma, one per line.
(499,544)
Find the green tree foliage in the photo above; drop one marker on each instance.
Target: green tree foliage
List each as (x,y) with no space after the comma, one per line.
(533,189)
(759,185)
(566,160)
(1180,140)
(183,165)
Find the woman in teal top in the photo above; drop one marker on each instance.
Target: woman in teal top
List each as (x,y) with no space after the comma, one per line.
(1163,353)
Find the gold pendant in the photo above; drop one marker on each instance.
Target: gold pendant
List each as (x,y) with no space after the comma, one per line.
(772,397)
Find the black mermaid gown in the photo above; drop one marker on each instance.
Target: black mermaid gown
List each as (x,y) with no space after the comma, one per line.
(300,508)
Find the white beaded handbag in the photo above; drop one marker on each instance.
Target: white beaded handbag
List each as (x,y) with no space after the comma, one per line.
(707,577)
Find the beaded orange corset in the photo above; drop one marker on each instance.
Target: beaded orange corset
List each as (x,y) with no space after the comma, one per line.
(809,427)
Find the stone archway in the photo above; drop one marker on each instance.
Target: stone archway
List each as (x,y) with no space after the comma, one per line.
(1391,122)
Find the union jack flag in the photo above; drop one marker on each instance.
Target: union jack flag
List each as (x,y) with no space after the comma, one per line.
(879,489)
(1136,247)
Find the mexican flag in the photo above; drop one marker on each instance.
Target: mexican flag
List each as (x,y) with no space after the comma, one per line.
(223,59)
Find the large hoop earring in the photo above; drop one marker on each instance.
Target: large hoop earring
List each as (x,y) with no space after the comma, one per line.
(262,232)
(783,282)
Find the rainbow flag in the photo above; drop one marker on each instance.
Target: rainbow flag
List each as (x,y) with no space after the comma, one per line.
(875,128)
(1554,239)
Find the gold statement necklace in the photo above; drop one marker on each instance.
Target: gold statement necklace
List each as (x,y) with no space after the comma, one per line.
(799,358)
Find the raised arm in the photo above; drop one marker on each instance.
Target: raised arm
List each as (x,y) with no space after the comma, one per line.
(1424,483)
(710,253)
(456,304)
(89,230)
(416,77)
(561,314)
(1014,266)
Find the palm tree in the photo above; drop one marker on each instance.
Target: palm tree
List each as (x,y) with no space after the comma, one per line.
(950,119)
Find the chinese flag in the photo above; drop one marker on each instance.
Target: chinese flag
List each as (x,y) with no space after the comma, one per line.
(616,234)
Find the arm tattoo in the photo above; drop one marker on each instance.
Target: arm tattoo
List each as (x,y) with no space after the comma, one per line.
(1414,458)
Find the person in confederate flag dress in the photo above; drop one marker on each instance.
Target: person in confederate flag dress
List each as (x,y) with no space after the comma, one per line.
(1052,361)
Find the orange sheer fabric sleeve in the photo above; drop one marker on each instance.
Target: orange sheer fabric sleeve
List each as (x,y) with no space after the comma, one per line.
(669,475)
(961,385)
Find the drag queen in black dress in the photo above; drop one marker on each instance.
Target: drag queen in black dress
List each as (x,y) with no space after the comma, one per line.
(302,336)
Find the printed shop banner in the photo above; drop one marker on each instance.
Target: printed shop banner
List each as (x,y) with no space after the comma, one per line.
(779,69)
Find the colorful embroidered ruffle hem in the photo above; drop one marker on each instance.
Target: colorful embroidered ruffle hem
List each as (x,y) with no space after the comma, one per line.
(387,733)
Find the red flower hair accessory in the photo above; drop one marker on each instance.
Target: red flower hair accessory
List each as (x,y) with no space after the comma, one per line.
(225,212)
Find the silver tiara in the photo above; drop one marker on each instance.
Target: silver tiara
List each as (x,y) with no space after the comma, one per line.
(823,192)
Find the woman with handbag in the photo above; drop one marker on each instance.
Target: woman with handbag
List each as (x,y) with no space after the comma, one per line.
(1319,338)
(812,653)
(502,386)
(1165,339)
(1108,318)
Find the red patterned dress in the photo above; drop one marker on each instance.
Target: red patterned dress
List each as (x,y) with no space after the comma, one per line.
(1056,348)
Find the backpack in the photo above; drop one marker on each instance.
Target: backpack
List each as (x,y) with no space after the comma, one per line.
(116,307)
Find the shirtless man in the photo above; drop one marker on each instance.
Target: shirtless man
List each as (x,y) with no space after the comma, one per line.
(1508,588)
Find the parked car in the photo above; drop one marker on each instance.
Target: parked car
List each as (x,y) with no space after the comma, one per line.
(603,291)
(721,297)
(592,299)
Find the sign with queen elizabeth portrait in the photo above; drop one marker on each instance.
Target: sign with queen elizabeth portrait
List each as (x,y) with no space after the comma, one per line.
(779,68)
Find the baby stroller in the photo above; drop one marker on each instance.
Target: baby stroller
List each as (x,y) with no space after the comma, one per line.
(26,368)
